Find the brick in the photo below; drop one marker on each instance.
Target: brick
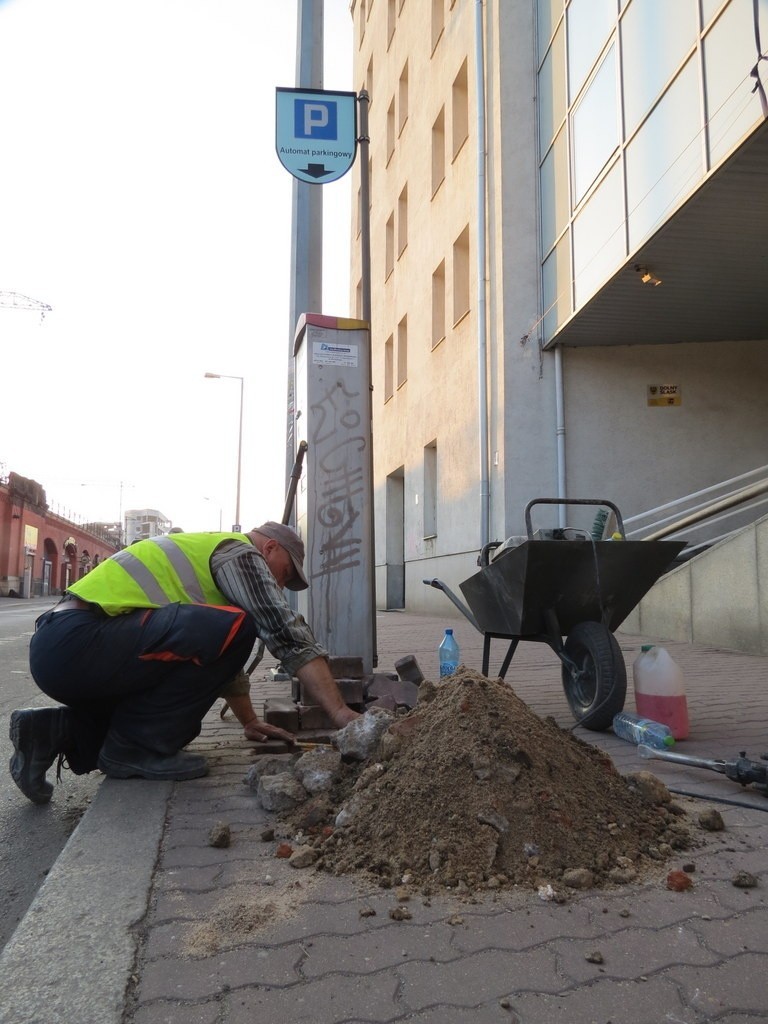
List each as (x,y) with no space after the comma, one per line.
(282,713)
(404,694)
(351,690)
(346,667)
(408,670)
(312,717)
(387,702)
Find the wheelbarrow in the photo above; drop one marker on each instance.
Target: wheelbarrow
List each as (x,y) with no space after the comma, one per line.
(565,583)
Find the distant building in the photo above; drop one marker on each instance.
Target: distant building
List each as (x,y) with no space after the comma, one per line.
(143,523)
(41,552)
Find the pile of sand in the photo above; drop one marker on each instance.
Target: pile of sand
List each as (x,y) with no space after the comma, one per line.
(473,790)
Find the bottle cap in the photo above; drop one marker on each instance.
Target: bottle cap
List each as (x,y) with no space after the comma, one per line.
(449,631)
(669,741)
(647,647)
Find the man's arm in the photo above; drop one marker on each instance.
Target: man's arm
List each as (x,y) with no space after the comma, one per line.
(241,573)
(255,729)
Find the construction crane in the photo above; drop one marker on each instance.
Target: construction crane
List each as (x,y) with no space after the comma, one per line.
(14,300)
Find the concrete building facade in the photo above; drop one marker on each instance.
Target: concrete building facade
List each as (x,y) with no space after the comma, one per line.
(568,222)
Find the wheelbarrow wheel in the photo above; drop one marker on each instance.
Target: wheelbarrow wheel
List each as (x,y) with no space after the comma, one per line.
(594,675)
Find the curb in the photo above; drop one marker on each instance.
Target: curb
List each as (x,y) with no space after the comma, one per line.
(72,954)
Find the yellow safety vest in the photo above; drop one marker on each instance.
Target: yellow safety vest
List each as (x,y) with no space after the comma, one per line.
(156,572)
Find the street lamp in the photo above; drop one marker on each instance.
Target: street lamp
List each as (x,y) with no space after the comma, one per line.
(227,376)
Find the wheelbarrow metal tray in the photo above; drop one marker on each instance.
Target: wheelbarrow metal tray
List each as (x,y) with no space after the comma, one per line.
(575,579)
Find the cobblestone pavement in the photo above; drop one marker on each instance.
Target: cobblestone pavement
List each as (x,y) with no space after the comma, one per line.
(235,935)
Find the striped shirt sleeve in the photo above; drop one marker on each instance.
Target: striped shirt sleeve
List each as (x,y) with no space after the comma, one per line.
(242,575)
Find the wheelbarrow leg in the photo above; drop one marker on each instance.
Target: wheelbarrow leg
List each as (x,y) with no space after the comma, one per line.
(486,652)
(508,657)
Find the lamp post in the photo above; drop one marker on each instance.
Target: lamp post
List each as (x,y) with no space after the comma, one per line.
(227,376)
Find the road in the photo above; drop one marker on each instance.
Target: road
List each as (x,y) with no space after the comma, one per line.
(32,836)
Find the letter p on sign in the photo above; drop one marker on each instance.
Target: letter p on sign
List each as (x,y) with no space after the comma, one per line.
(315,119)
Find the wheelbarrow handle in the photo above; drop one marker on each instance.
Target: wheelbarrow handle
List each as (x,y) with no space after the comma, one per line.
(439,585)
(572,501)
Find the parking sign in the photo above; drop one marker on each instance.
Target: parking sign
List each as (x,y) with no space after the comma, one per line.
(316,133)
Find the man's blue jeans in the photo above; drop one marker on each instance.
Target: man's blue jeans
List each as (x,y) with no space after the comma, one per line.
(148,676)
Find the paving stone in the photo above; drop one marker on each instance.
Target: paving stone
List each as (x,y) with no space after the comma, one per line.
(187,877)
(346,667)
(183,976)
(747,932)
(642,951)
(282,713)
(626,1002)
(477,977)
(177,1012)
(390,946)
(324,1001)
(522,928)
(488,1013)
(736,984)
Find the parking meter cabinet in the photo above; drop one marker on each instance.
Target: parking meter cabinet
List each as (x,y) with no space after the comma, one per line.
(334,500)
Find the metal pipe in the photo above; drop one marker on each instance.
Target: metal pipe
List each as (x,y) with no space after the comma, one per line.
(696,494)
(734,499)
(482,330)
(560,432)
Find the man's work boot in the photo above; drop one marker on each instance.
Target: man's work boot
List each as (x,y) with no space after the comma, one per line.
(120,759)
(38,735)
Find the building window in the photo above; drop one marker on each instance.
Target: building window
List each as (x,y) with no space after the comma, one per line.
(402,99)
(595,127)
(460,109)
(362,20)
(438,305)
(650,57)
(590,23)
(438,21)
(402,352)
(402,221)
(369,82)
(438,151)
(391,18)
(430,490)
(389,368)
(359,300)
(461,275)
(390,130)
(389,247)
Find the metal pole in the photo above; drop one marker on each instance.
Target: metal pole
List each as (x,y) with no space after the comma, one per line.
(365,261)
(365,202)
(236,526)
(307,212)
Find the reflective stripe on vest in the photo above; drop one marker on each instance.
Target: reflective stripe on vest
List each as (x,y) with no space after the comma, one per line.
(156,572)
(142,576)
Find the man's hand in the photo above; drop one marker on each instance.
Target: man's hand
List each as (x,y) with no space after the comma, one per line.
(260,731)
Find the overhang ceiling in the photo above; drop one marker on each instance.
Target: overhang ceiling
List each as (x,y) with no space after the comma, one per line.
(712,259)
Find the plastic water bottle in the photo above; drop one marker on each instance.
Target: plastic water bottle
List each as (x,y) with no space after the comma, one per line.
(636,729)
(660,690)
(448,653)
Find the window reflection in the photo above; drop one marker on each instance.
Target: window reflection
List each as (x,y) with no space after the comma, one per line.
(598,236)
(729,54)
(590,22)
(664,160)
(595,127)
(650,56)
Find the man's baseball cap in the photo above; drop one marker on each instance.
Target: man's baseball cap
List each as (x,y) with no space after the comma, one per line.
(290,540)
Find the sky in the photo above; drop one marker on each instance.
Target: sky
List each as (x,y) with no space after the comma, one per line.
(142,199)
